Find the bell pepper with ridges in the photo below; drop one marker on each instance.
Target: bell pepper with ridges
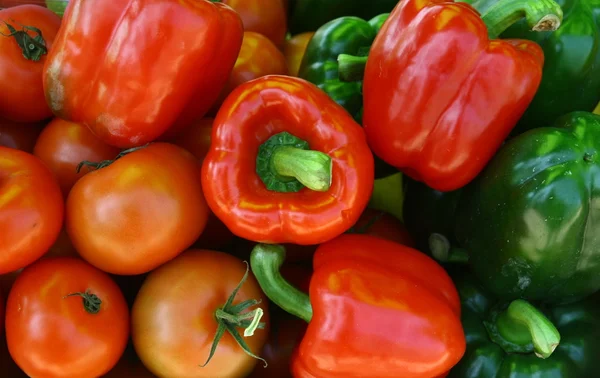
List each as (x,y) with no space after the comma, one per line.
(441,93)
(132,70)
(519,339)
(393,313)
(286,163)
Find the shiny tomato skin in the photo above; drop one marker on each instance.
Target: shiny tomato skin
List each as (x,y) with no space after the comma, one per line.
(267,17)
(51,335)
(31,209)
(62,145)
(173,321)
(23,98)
(19,135)
(139,212)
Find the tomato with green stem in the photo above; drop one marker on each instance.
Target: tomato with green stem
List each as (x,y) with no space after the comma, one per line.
(62,145)
(67,319)
(189,314)
(26,35)
(31,209)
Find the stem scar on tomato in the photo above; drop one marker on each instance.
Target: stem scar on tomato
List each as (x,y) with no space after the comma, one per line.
(33,48)
(230,317)
(91,302)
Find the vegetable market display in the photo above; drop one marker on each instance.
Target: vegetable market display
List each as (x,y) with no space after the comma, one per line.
(299,188)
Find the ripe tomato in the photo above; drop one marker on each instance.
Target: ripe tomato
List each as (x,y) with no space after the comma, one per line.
(31,209)
(267,17)
(195,138)
(294,50)
(174,318)
(139,212)
(21,136)
(21,84)
(62,145)
(65,318)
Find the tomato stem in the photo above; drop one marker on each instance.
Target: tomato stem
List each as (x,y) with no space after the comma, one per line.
(231,317)
(32,48)
(105,163)
(91,302)
(285,164)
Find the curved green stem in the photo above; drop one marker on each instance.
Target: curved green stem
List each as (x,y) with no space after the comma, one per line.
(285,164)
(541,15)
(442,251)
(32,48)
(231,317)
(351,68)
(91,302)
(266,260)
(522,326)
(106,163)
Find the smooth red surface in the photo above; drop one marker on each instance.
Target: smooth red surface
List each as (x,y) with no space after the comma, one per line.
(267,17)
(51,336)
(439,96)
(139,212)
(132,69)
(253,113)
(173,321)
(21,86)
(62,145)
(31,209)
(380,309)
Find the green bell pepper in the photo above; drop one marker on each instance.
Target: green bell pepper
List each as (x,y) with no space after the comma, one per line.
(531,220)
(571,75)
(309,15)
(517,340)
(345,35)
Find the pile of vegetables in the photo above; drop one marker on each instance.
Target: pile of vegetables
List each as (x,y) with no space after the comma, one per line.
(299,188)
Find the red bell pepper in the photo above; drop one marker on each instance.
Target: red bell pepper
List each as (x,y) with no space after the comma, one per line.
(286,163)
(441,94)
(393,313)
(132,69)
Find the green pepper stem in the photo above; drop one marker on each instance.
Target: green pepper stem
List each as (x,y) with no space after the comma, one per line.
(442,251)
(541,15)
(266,260)
(522,324)
(285,164)
(351,68)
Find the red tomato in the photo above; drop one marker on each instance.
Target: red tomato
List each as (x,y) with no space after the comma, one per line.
(294,50)
(267,17)
(195,138)
(174,319)
(21,136)
(139,212)
(63,145)
(23,98)
(65,318)
(31,209)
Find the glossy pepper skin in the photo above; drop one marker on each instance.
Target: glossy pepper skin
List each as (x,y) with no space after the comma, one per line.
(254,113)
(571,76)
(309,15)
(575,357)
(131,70)
(394,313)
(530,221)
(344,35)
(440,96)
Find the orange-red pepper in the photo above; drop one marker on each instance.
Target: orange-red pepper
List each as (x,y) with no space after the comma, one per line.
(375,308)
(286,163)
